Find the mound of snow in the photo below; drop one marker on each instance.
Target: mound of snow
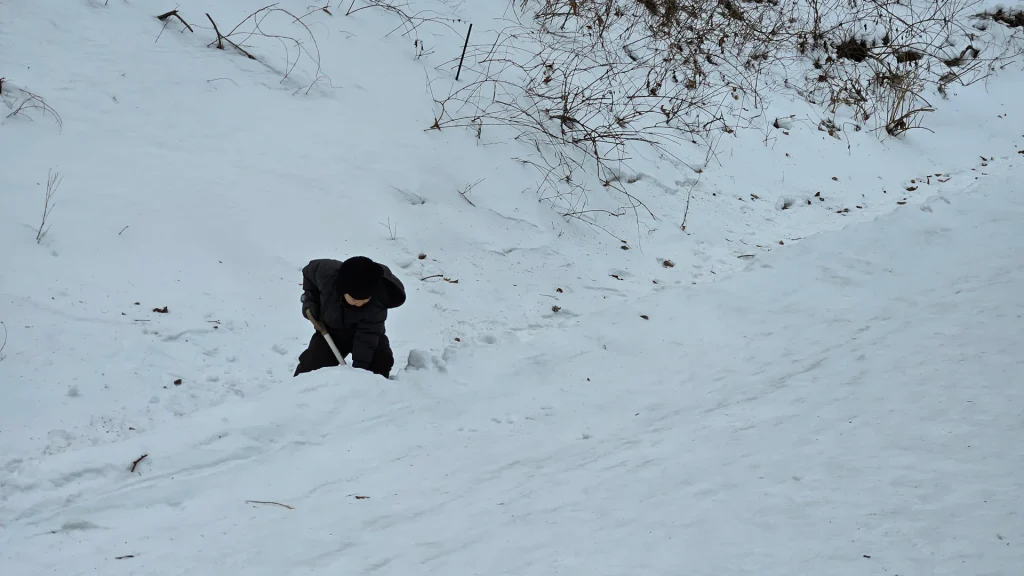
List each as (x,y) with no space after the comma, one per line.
(852,405)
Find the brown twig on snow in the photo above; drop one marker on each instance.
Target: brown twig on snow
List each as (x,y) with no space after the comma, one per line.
(52,183)
(434,276)
(136,462)
(467,190)
(222,38)
(271,503)
(163,18)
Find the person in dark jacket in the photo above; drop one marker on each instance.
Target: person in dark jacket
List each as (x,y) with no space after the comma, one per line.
(351,299)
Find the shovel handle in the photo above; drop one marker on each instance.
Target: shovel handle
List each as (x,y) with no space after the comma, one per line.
(319,327)
(330,341)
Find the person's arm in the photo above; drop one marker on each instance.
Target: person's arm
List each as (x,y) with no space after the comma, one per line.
(310,289)
(367,336)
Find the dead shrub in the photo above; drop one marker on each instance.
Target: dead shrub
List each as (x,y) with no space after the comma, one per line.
(854,49)
(1011,18)
(585,82)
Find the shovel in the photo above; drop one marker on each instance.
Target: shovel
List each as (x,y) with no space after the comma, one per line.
(323,331)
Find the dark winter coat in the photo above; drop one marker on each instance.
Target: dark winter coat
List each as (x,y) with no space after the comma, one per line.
(365,324)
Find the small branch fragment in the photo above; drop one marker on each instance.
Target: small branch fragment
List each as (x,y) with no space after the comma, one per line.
(269,503)
(4,345)
(163,18)
(125,557)
(137,460)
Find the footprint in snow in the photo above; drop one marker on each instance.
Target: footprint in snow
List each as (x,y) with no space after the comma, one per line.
(77,526)
(60,440)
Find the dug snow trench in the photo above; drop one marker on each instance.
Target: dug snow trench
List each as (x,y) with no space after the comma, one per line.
(850,406)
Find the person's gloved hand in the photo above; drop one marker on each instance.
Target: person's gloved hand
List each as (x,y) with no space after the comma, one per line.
(309,302)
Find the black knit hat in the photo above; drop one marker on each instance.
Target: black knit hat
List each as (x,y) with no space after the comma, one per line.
(359,277)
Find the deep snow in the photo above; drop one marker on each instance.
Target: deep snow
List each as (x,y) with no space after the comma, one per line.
(787,407)
(850,406)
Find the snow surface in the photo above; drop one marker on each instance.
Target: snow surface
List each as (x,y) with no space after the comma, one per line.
(847,402)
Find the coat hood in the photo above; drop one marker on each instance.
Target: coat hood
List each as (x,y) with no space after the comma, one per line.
(394,288)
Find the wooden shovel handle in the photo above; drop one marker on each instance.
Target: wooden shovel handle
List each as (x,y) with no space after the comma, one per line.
(319,327)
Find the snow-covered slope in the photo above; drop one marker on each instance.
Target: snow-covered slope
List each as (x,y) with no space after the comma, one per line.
(848,394)
(200,180)
(851,406)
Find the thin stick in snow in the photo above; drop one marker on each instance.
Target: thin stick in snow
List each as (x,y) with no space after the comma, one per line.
(4,345)
(52,183)
(270,503)
(464,46)
(136,462)
(174,13)
(467,190)
(686,212)
(221,39)
(392,230)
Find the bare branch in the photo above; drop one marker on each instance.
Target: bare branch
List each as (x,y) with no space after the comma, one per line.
(238,37)
(469,188)
(53,181)
(4,345)
(269,503)
(137,461)
(174,13)
(221,39)
(20,101)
